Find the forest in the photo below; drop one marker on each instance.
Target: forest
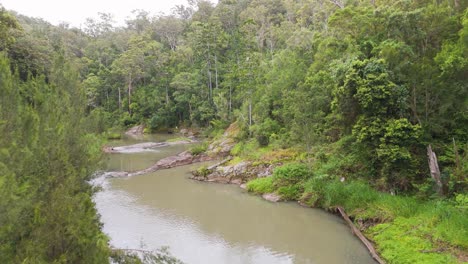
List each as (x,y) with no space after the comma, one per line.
(368,91)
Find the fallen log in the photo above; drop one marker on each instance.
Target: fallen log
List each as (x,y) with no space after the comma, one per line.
(358,233)
(212,167)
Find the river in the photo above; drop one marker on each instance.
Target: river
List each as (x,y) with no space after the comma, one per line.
(214,223)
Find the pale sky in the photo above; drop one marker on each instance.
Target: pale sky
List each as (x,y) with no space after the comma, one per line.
(75,12)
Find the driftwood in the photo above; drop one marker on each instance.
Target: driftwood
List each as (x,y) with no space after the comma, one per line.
(212,167)
(358,233)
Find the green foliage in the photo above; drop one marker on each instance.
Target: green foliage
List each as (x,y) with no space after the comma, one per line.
(249,150)
(179,139)
(290,192)
(203,171)
(404,241)
(363,89)
(160,256)
(47,212)
(461,201)
(429,224)
(199,149)
(261,185)
(265,130)
(291,174)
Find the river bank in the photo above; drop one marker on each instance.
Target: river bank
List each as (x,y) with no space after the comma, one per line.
(402,228)
(214,223)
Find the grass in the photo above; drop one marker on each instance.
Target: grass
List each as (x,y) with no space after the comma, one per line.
(408,240)
(198,149)
(261,185)
(113,135)
(405,229)
(251,150)
(410,230)
(179,139)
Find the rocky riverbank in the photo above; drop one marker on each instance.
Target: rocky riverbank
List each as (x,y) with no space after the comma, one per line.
(216,150)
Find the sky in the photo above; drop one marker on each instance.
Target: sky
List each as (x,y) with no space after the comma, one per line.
(75,12)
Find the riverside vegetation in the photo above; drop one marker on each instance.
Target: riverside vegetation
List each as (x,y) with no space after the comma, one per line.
(346,94)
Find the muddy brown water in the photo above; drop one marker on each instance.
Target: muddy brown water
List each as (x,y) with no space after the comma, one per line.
(214,223)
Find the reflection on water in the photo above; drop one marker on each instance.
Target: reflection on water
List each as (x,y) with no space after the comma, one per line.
(214,223)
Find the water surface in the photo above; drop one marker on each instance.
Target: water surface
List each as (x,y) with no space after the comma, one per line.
(215,223)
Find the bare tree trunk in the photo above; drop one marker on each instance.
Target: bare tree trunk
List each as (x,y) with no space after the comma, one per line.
(414,106)
(209,85)
(167,95)
(442,187)
(250,111)
(360,236)
(130,95)
(230,100)
(216,71)
(338,3)
(120,99)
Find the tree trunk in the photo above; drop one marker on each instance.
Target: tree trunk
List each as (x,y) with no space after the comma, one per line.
(338,3)
(216,71)
(120,99)
(458,168)
(442,186)
(129,95)
(360,236)
(230,100)
(250,111)
(210,87)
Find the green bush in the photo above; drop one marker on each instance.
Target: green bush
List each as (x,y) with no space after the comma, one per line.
(203,171)
(290,192)
(407,241)
(264,130)
(291,174)
(111,135)
(261,185)
(198,149)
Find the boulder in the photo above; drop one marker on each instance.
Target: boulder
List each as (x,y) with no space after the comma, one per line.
(135,131)
(272,197)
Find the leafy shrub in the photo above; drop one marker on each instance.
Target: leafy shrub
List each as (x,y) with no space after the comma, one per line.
(261,185)
(405,241)
(127,120)
(265,130)
(203,171)
(155,122)
(113,135)
(291,174)
(290,192)
(461,201)
(198,149)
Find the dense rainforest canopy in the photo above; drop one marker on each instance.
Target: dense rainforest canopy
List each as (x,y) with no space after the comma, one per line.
(363,86)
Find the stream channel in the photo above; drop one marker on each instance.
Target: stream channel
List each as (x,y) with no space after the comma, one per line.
(213,223)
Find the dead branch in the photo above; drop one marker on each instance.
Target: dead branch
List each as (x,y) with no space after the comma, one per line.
(358,233)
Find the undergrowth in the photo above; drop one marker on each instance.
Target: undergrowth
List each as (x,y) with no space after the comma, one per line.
(405,229)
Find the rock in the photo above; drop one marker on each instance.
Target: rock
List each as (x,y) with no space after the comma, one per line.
(135,131)
(265,171)
(243,186)
(272,197)
(236,181)
(116,174)
(144,147)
